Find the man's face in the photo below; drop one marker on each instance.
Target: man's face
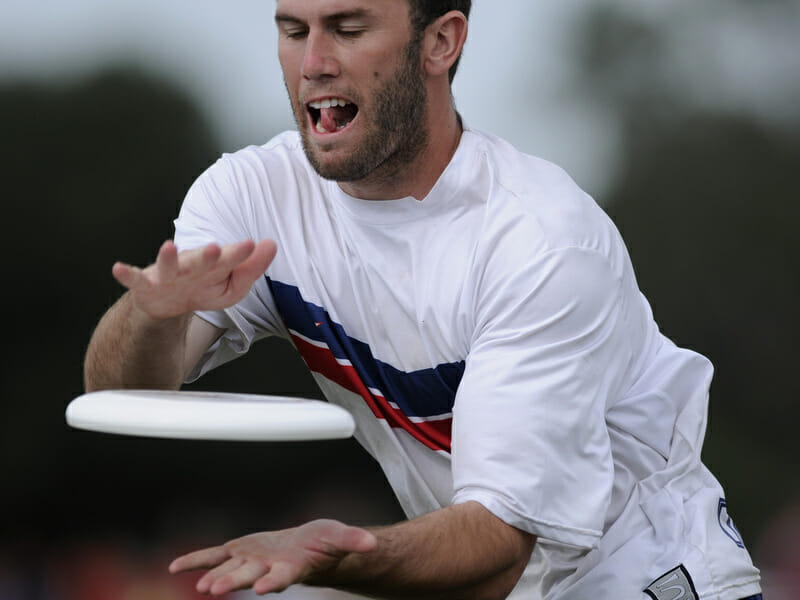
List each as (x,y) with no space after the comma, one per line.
(353,72)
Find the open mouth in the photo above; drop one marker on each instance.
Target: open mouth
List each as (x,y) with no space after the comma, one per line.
(330,115)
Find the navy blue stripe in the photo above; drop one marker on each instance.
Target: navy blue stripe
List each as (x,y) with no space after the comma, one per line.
(423,393)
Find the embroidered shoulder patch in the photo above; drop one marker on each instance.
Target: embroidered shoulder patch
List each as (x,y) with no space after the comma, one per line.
(673,585)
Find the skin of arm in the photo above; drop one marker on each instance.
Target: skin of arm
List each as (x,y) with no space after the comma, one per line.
(460,552)
(129,349)
(150,338)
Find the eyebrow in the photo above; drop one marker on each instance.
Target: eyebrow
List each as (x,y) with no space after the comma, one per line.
(356,13)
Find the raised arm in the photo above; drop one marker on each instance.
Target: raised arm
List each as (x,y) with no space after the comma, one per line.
(150,338)
(461,551)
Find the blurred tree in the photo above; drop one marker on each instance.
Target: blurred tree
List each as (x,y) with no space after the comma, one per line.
(710,215)
(94,172)
(706,200)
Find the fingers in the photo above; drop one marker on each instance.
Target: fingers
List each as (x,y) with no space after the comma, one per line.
(126,274)
(228,573)
(279,577)
(211,579)
(167,261)
(213,259)
(260,258)
(200,559)
(233,254)
(240,575)
(284,573)
(166,266)
(171,264)
(189,263)
(271,561)
(207,278)
(253,267)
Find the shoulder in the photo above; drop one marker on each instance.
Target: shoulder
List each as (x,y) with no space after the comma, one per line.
(542,196)
(258,175)
(249,191)
(279,157)
(534,207)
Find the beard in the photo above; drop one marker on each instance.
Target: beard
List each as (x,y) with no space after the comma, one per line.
(395,133)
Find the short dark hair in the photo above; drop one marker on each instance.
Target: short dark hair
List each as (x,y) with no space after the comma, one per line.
(425,12)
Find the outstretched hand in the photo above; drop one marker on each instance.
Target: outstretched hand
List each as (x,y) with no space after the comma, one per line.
(209,278)
(272,561)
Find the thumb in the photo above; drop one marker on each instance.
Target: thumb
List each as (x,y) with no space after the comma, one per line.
(355,539)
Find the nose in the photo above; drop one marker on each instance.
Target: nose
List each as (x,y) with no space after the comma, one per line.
(319,60)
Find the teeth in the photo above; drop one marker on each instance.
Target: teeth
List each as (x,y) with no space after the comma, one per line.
(321,129)
(328,103)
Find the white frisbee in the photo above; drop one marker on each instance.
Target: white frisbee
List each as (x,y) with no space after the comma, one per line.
(209,416)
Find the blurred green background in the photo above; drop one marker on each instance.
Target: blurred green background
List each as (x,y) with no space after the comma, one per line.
(94,167)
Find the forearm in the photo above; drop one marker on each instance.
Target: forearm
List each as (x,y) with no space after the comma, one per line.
(132,350)
(461,552)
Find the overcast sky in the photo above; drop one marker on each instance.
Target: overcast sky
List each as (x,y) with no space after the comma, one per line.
(514,79)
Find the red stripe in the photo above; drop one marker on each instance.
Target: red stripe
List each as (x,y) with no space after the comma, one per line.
(434,434)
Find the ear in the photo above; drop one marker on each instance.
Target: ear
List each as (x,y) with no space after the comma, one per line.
(443,42)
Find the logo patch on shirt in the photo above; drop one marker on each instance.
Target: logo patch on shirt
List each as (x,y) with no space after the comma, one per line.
(673,585)
(726,523)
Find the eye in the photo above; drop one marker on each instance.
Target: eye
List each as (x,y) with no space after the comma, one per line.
(349,33)
(292,31)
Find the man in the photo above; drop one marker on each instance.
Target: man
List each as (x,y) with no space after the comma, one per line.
(473,309)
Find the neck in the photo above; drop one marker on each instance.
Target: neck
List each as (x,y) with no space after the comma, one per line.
(415,178)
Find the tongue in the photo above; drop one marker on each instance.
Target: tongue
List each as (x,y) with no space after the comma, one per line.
(327,120)
(331,118)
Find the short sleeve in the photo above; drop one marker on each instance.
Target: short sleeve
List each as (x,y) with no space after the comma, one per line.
(529,434)
(216,209)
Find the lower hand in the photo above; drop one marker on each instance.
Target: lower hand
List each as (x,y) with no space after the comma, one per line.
(272,561)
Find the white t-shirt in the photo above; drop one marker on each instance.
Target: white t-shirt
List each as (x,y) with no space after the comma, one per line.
(492,345)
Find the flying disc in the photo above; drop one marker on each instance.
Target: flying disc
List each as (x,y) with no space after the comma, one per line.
(209,416)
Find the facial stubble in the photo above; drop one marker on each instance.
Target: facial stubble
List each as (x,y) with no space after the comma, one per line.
(396,130)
